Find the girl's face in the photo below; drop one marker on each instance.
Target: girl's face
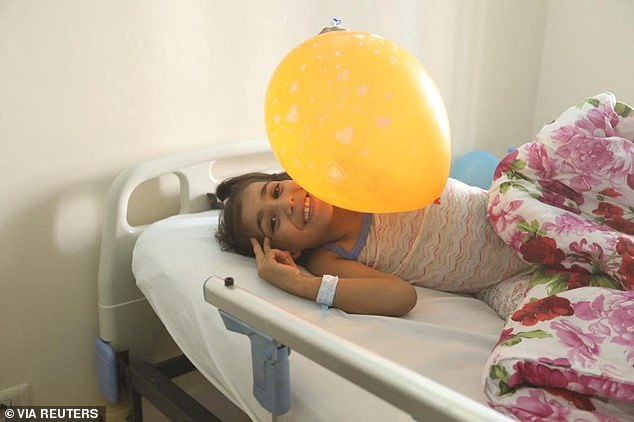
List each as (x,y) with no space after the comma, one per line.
(293,219)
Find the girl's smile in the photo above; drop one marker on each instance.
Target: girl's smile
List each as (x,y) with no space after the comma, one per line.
(308,208)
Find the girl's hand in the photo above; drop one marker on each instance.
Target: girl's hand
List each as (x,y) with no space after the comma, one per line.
(360,290)
(274,265)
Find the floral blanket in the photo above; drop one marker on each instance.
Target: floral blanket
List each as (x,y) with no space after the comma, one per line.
(566,203)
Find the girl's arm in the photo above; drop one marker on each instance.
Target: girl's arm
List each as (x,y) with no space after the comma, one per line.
(361,290)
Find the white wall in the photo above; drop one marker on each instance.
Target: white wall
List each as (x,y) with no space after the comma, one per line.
(506,75)
(589,49)
(511,66)
(88,87)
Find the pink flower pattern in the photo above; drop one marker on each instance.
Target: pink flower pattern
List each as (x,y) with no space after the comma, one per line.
(576,180)
(572,190)
(502,216)
(612,316)
(567,223)
(538,407)
(583,347)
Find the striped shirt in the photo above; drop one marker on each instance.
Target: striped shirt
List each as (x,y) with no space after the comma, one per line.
(448,245)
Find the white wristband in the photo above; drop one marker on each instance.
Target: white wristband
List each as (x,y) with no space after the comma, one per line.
(326,294)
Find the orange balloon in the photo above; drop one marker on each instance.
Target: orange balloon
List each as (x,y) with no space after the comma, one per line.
(357,122)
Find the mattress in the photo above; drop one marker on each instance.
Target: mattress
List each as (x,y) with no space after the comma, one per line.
(446,337)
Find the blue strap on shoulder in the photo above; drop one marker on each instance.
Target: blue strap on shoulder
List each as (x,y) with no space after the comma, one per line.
(359,244)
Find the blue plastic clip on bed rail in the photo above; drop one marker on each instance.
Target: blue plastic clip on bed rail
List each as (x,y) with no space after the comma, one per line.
(107,370)
(271,375)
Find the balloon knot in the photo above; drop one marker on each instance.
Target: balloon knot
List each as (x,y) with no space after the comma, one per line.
(334,26)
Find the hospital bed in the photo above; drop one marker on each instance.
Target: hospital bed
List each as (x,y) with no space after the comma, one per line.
(270,354)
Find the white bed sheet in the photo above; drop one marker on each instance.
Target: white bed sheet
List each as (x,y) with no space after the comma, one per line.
(446,337)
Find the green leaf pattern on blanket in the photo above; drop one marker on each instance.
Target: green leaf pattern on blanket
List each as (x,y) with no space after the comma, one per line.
(558,281)
(532,228)
(593,101)
(601,280)
(499,372)
(622,109)
(517,337)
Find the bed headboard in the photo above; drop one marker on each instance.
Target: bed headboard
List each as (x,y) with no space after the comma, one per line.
(126,320)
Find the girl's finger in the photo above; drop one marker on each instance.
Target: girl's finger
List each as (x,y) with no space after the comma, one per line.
(288,260)
(284,257)
(267,245)
(257,249)
(280,256)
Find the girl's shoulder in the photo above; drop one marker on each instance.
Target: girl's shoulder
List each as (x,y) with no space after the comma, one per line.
(323,261)
(319,260)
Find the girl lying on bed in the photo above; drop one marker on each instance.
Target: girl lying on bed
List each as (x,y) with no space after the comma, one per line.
(448,245)
(577,177)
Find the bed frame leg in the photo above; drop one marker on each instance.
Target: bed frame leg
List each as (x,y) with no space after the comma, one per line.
(137,407)
(144,380)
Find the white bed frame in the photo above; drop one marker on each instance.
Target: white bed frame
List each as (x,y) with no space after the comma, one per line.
(128,324)
(126,320)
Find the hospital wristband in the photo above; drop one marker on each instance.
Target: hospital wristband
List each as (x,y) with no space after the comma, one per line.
(326,294)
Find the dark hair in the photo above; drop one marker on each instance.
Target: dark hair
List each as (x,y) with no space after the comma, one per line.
(231,232)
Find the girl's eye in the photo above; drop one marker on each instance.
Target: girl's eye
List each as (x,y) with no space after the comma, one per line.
(276,191)
(273,223)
